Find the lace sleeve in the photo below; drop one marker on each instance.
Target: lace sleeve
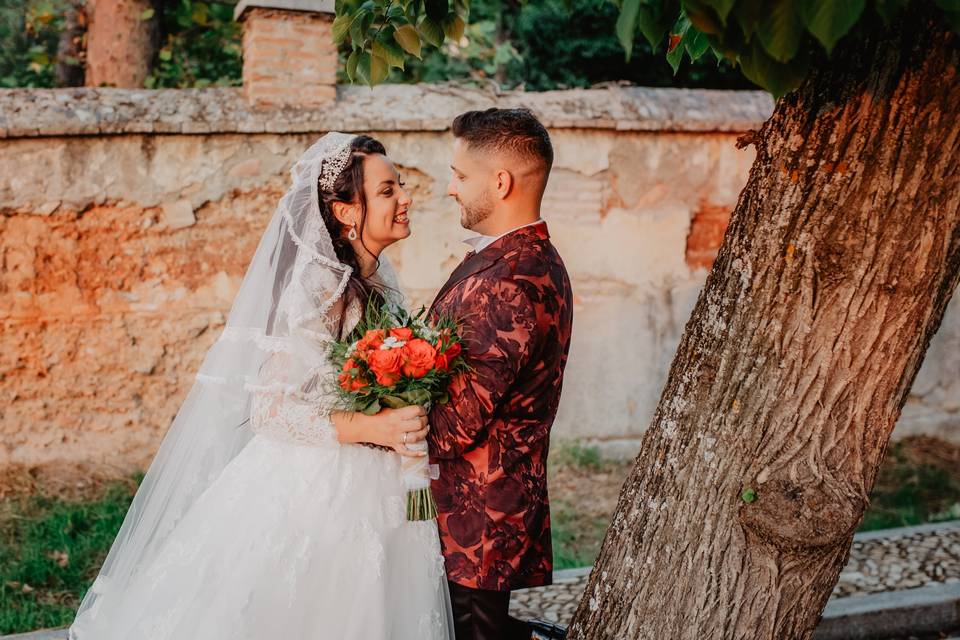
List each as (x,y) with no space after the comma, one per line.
(279,411)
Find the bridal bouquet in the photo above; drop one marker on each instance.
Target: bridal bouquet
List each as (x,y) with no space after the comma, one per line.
(400,360)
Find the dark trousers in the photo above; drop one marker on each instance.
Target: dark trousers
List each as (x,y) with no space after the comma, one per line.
(479,614)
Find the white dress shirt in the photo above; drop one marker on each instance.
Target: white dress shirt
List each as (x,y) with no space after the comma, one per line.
(479,242)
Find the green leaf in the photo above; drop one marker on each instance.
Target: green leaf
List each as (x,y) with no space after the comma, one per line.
(627,24)
(147,15)
(748,495)
(166,55)
(379,70)
(677,46)
(363,68)
(722,7)
(408,38)
(656,19)
(697,43)
(749,15)
(372,409)
(779,78)
(830,20)
(416,396)
(201,12)
(352,63)
(385,47)
(781,30)
(360,26)
(888,9)
(394,402)
(341,27)
(454,26)
(432,32)
(703,16)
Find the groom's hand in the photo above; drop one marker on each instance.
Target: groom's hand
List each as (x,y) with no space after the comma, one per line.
(397,428)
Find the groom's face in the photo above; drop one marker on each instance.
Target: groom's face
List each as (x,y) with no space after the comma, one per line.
(470,184)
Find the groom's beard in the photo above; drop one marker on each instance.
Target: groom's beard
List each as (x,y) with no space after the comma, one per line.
(477,211)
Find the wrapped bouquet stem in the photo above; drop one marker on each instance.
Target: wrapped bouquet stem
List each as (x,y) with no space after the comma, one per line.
(398,360)
(417,472)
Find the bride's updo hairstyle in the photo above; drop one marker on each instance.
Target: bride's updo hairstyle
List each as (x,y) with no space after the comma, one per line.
(348,188)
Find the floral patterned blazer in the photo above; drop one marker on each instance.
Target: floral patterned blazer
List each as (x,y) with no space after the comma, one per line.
(490,440)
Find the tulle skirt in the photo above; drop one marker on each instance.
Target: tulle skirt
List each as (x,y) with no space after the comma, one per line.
(291,542)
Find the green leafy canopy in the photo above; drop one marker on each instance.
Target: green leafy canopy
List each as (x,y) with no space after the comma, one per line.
(771,41)
(382,33)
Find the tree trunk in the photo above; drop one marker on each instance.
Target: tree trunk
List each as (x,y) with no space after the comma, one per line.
(71,52)
(120,45)
(835,271)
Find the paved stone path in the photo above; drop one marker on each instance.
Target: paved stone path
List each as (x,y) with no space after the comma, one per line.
(911,557)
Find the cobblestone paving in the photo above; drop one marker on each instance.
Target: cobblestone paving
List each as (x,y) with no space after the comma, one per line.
(876,564)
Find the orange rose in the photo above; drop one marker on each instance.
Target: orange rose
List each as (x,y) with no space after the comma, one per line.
(351,379)
(402,333)
(370,341)
(418,358)
(385,364)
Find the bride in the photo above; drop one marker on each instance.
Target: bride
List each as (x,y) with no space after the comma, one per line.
(260,517)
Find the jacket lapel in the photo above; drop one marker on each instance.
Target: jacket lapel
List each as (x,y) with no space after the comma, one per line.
(474,263)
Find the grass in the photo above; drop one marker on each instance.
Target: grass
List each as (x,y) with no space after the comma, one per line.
(50,551)
(52,541)
(919,482)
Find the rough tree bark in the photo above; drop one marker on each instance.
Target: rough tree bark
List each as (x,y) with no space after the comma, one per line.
(120,46)
(839,260)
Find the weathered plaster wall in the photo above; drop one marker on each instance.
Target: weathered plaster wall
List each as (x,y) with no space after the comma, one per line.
(124,239)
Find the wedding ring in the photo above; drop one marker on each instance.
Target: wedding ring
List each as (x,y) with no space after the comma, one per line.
(404,438)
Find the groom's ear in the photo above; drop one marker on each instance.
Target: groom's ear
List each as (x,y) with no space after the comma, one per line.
(503,184)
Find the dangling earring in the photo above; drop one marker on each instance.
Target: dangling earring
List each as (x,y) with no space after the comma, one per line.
(353,232)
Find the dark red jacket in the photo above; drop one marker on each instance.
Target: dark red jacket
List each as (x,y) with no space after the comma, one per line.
(490,441)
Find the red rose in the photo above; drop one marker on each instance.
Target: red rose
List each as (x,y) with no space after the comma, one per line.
(350,381)
(385,364)
(453,350)
(402,333)
(447,357)
(418,358)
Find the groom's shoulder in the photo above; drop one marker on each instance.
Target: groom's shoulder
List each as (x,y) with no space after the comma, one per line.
(529,263)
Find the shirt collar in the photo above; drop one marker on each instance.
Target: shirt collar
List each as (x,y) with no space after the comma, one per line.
(480,242)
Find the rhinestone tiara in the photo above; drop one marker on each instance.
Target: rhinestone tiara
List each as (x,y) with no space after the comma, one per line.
(333,165)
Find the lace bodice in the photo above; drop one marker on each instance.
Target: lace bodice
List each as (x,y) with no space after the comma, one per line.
(285,407)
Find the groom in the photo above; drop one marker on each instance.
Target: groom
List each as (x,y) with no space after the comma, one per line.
(512,295)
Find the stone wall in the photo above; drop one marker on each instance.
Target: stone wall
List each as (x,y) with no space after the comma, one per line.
(128,218)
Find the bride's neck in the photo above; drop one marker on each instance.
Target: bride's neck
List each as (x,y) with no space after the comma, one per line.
(366,260)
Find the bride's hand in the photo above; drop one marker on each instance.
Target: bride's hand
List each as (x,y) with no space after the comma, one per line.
(397,428)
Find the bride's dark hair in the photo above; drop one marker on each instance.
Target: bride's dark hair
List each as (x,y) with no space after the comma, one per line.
(348,188)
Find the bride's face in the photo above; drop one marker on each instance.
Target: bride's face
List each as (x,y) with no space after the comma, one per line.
(388,204)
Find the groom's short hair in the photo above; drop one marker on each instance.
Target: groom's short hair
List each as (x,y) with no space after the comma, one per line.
(516,131)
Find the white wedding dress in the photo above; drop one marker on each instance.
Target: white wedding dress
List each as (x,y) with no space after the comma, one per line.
(299,537)
(272,530)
